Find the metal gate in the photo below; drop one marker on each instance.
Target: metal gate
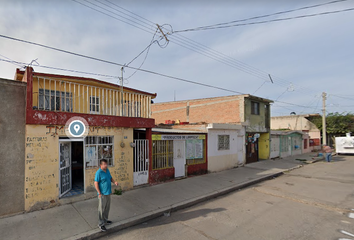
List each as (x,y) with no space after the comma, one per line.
(65,168)
(141,162)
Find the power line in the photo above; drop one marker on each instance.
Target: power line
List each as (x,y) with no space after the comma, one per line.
(347,98)
(187,43)
(143,70)
(266,21)
(119,64)
(23,65)
(197,47)
(273,14)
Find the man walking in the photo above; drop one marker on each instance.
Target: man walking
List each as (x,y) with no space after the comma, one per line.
(103,180)
(328,151)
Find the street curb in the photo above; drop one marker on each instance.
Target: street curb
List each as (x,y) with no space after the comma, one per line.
(96,233)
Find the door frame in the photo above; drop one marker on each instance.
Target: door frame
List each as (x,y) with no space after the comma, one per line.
(61,140)
(184,154)
(146,160)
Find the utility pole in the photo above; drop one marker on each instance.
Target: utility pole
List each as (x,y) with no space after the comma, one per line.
(159,27)
(324,128)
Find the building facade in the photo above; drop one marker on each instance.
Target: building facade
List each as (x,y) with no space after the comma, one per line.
(226,144)
(250,111)
(299,123)
(57,166)
(177,154)
(288,143)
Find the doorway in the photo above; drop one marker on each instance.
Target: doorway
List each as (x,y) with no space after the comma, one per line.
(251,148)
(71,168)
(179,159)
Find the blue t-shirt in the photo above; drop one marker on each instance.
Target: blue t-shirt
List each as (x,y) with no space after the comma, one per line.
(104,181)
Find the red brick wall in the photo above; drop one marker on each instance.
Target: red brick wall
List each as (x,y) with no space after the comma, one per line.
(211,110)
(161,175)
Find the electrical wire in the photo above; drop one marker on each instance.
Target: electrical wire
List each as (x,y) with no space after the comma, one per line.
(211,53)
(347,98)
(143,70)
(273,14)
(183,43)
(147,49)
(267,21)
(23,65)
(192,45)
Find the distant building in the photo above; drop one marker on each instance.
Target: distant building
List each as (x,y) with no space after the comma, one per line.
(299,123)
(250,111)
(288,143)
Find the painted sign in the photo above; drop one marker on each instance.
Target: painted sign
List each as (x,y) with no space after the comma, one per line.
(177,137)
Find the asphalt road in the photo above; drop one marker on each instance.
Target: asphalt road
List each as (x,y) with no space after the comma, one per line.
(313,202)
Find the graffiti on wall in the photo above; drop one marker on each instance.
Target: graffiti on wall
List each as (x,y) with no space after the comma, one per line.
(38,179)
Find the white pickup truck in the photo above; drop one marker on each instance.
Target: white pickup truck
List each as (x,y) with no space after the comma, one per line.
(345,144)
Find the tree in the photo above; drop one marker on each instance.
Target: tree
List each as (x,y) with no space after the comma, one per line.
(337,123)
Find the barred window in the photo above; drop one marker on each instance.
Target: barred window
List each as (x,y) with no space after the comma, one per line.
(54,100)
(97,148)
(223,142)
(162,154)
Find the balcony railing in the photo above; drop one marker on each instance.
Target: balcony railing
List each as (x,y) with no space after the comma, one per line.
(65,96)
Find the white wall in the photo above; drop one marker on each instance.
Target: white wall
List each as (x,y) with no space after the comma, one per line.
(219,160)
(296,122)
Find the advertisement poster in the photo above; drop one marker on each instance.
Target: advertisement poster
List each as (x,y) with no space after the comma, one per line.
(194,149)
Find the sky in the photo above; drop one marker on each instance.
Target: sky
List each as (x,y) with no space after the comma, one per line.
(304,57)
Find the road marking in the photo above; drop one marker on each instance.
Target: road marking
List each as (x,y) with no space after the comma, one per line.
(351,215)
(344,239)
(345,222)
(347,233)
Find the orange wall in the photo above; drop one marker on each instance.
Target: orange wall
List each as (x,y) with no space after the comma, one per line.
(216,110)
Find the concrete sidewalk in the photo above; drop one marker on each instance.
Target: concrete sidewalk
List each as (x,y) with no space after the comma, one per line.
(79,220)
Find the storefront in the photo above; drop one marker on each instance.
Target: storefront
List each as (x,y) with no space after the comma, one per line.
(177,154)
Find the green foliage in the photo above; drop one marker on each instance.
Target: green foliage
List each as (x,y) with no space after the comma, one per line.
(118,191)
(337,123)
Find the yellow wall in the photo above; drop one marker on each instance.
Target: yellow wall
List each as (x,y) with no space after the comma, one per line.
(42,164)
(263,146)
(41,168)
(81,91)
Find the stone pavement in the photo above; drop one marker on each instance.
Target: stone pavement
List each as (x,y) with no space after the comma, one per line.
(79,220)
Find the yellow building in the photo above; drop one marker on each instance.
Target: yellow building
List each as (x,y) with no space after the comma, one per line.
(58,166)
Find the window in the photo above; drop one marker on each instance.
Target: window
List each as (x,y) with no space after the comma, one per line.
(195,151)
(50,100)
(255,108)
(223,142)
(94,104)
(97,148)
(162,154)
(267,115)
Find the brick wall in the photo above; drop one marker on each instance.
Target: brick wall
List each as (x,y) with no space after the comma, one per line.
(216,110)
